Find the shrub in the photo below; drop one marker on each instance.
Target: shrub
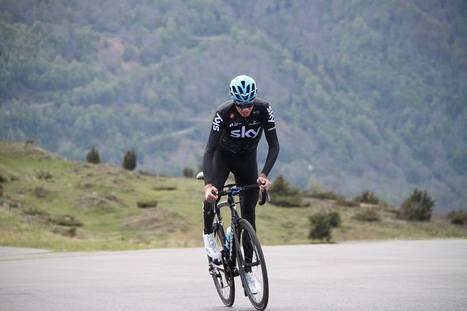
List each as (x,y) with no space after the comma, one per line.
(320,227)
(324,195)
(164,188)
(147,204)
(390,209)
(368,214)
(418,207)
(287,201)
(345,202)
(284,194)
(129,160)
(367,197)
(34,211)
(280,186)
(65,220)
(40,192)
(93,156)
(317,192)
(334,219)
(2,179)
(65,231)
(458,217)
(44,175)
(188,172)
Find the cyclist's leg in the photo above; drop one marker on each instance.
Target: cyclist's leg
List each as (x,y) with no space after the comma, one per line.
(245,170)
(221,172)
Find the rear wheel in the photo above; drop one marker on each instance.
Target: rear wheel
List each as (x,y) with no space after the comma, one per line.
(251,260)
(222,275)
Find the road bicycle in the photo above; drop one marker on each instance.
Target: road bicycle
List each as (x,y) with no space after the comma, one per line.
(241,252)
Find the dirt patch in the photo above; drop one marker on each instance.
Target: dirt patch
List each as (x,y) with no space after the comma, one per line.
(156,219)
(100,200)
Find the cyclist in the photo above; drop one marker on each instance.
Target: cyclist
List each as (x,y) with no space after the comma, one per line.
(236,130)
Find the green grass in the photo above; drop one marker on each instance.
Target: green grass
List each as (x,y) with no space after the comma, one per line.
(104,198)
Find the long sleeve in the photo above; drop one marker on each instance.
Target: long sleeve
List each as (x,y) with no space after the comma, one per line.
(273,151)
(269,125)
(213,142)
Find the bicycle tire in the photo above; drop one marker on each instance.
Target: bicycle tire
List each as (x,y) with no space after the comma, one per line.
(223,277)
(246,237)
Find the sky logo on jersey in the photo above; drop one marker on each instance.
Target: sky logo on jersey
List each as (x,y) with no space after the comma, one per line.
(243,133)
(216,124)
(271,115)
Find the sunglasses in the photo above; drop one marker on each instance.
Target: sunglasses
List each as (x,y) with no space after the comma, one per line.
(244,105)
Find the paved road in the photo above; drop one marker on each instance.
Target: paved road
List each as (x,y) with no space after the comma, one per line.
(396,275)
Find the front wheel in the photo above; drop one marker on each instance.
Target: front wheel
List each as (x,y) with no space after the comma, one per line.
(222,275)
(251,265)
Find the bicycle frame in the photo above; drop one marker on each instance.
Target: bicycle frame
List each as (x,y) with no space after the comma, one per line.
(235,218)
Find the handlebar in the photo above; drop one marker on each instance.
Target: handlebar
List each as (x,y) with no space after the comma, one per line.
(233,190)
(236,190)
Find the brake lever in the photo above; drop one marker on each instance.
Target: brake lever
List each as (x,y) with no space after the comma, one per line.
(264,197)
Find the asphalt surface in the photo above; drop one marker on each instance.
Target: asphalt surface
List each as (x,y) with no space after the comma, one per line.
(395,275)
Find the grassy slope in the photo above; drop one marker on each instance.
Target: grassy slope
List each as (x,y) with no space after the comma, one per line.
(104,198)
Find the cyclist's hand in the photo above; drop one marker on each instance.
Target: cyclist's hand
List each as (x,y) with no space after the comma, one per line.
(263,182)
(210,193)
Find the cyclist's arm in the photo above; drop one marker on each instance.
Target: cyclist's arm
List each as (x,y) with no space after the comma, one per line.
(273,151)
(269,126)
(213,141)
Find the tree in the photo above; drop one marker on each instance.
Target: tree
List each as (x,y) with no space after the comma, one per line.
(281,186)
(129,160)
(93,156)
(418,206)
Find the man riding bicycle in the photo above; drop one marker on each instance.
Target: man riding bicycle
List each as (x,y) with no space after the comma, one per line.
(236,131)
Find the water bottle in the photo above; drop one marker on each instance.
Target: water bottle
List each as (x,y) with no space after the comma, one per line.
(228,238)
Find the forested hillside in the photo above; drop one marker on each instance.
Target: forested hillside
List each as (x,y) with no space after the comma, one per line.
(368,95)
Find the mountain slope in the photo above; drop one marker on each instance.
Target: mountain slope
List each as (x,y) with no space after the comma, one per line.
(48,202)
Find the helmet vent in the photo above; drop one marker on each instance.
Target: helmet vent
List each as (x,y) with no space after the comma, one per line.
(243,83)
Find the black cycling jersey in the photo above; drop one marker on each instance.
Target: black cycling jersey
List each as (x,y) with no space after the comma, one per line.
(233,134)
